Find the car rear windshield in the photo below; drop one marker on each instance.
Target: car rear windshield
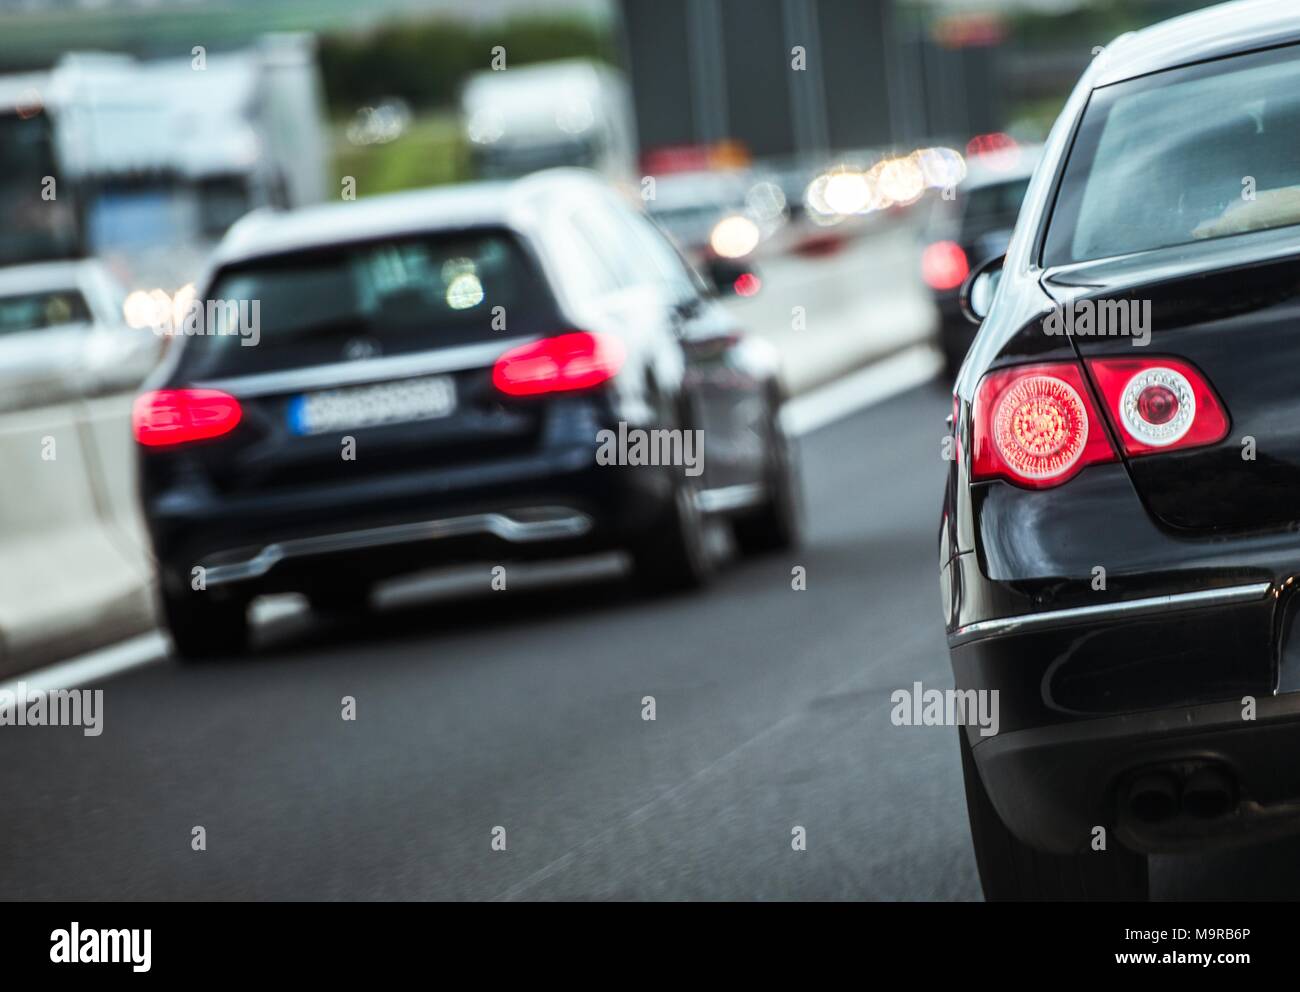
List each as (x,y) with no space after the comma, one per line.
(38,311)
(1202,152)
(366,300)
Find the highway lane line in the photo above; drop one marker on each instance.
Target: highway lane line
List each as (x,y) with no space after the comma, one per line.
(804,414)
(96,666)
(105,663)
(859,390)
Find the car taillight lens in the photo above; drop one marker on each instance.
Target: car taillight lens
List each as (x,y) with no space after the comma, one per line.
(177,416)
(944,265)
(1159,404)
(568,361)
(1036,426)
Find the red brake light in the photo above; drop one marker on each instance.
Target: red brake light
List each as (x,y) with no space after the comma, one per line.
(944,265)
(569,361)
(1159,404)
(177,416)
(1037,426)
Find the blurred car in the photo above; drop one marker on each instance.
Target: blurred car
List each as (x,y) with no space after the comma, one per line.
(718,219)
(62,336)
(969,230)
(1119,537)
(433,379)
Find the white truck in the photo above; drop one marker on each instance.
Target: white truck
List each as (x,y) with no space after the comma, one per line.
(565,113)
(156,159)
(167,154)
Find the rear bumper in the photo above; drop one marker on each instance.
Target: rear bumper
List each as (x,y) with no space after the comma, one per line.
(1091,699)
(520,526)
(555,503)
(1053,786)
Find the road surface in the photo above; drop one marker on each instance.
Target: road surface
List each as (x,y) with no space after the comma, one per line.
(523,709)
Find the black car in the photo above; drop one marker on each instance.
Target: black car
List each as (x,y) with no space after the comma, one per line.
(968,230)
(486,372)
(1120,537)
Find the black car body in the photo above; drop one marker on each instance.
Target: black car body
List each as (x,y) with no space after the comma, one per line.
(1119,558)
(430,383)
(968,230)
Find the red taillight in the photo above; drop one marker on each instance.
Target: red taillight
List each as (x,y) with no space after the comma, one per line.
(1036,425)
(568,361)
(1159,404)
(991,144)
(944,265)
(177,416)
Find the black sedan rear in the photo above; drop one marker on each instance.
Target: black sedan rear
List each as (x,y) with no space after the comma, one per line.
(482,373)
(1119,548)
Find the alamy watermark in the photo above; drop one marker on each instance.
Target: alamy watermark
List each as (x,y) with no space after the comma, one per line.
(638,446)
(210,318)
(90,946)
(22,706)
(921,707)
(1102,318)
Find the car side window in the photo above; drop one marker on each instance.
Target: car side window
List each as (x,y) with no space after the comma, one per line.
(670,270)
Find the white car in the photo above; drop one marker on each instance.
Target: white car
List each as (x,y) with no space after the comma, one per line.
(62,335)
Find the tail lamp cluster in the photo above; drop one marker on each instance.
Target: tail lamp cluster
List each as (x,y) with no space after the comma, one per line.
(563,363)
(1038,425)
(577,360)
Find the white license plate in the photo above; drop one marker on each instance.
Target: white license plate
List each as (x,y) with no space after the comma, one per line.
(352,407)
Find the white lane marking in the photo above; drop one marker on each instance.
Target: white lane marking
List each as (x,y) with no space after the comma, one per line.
(96,666)
(879,381)
(822,406)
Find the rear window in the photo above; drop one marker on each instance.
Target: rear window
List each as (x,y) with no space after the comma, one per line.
(368,300)
(1208,151)
(38,311)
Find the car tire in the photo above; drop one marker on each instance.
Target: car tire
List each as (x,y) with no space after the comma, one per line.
(777,524)
(202,627)
(674,555)
(1011,870)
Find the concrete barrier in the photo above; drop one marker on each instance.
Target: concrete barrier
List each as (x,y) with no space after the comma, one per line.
(74,573)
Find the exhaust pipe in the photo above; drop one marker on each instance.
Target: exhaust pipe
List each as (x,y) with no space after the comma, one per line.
(1153,797)
(1209,793)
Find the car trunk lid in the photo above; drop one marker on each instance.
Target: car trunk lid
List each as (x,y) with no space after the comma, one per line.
(1238,323)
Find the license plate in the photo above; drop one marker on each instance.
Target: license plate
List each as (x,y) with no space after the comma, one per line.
(353,407)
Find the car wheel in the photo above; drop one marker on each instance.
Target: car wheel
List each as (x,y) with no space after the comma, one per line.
(777,524)
(1013,871)
(202,627)
(674,555)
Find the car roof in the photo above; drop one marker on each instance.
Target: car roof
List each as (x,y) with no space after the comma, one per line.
(447,208)
(1225,29)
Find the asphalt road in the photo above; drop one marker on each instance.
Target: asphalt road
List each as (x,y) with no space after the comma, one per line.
(523,709)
